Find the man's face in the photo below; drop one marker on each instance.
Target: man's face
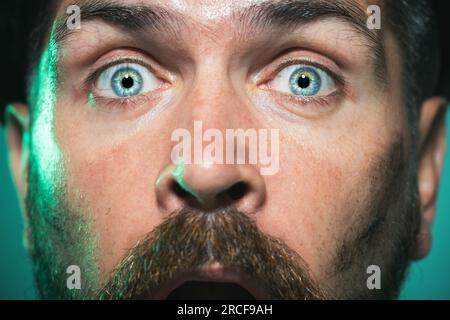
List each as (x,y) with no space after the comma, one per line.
(108,97)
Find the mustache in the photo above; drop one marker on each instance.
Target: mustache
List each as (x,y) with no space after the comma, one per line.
(189,239)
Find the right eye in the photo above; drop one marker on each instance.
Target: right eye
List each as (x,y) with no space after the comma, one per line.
(126,80)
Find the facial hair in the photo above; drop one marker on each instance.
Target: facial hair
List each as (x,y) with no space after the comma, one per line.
(190,238)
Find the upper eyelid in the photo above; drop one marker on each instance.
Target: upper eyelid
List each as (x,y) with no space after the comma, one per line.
(98,71)
(338,79)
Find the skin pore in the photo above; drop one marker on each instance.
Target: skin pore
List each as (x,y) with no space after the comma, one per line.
(98,180)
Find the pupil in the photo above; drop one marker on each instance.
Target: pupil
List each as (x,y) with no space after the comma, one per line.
(303,81)
(127,82)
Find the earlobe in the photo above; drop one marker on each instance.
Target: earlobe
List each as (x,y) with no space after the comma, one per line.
(17,132)
(432,147)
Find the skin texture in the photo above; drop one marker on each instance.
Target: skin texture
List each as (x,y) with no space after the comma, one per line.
(88,179)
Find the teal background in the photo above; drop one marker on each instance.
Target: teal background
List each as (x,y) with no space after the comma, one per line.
(428,279)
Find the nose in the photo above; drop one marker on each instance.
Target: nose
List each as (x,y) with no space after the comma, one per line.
(210,186)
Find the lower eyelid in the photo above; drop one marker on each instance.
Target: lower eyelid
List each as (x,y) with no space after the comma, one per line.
(123,103)
(304,100)
(308,107)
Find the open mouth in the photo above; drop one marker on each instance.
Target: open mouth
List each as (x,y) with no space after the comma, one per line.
(212,282)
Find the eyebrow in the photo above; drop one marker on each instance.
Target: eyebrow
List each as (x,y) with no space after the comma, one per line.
(292,14)
(131,18)
(260,17)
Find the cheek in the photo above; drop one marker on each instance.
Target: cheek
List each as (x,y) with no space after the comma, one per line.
(307,212)
(324,195)
(116,183)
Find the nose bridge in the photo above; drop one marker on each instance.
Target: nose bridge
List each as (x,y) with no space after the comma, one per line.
(198,176)
(214,99)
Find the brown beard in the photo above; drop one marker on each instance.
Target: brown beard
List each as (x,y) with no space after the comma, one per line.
(385,235)
(190,239)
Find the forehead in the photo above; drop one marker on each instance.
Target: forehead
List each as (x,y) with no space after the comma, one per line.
(214,10)
(186,18)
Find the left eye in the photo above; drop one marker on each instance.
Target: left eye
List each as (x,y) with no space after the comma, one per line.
(126,80)
(303,80)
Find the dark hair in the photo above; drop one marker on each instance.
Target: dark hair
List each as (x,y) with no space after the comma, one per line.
(415,27)
(23,28)
(25,25)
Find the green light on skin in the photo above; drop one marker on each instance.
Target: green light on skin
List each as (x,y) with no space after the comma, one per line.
(42,98)
(50,185)
(92,102)
(10,109)
(178,174)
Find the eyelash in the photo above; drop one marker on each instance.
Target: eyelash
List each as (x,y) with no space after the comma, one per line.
(321,102)
(130,102)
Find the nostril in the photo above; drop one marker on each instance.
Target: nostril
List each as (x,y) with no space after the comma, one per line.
(178,190)
(209,188)
(208,199)
(237,191)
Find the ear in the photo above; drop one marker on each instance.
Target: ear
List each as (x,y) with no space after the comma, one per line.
(432,147)
(17,135)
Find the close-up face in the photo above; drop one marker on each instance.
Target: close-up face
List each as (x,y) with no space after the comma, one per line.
(128,164)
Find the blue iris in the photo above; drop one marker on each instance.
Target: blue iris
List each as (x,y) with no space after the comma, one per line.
(305,81)
(127,82)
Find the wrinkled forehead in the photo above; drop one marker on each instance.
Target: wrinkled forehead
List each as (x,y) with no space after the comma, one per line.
(211,11)
(177,19)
